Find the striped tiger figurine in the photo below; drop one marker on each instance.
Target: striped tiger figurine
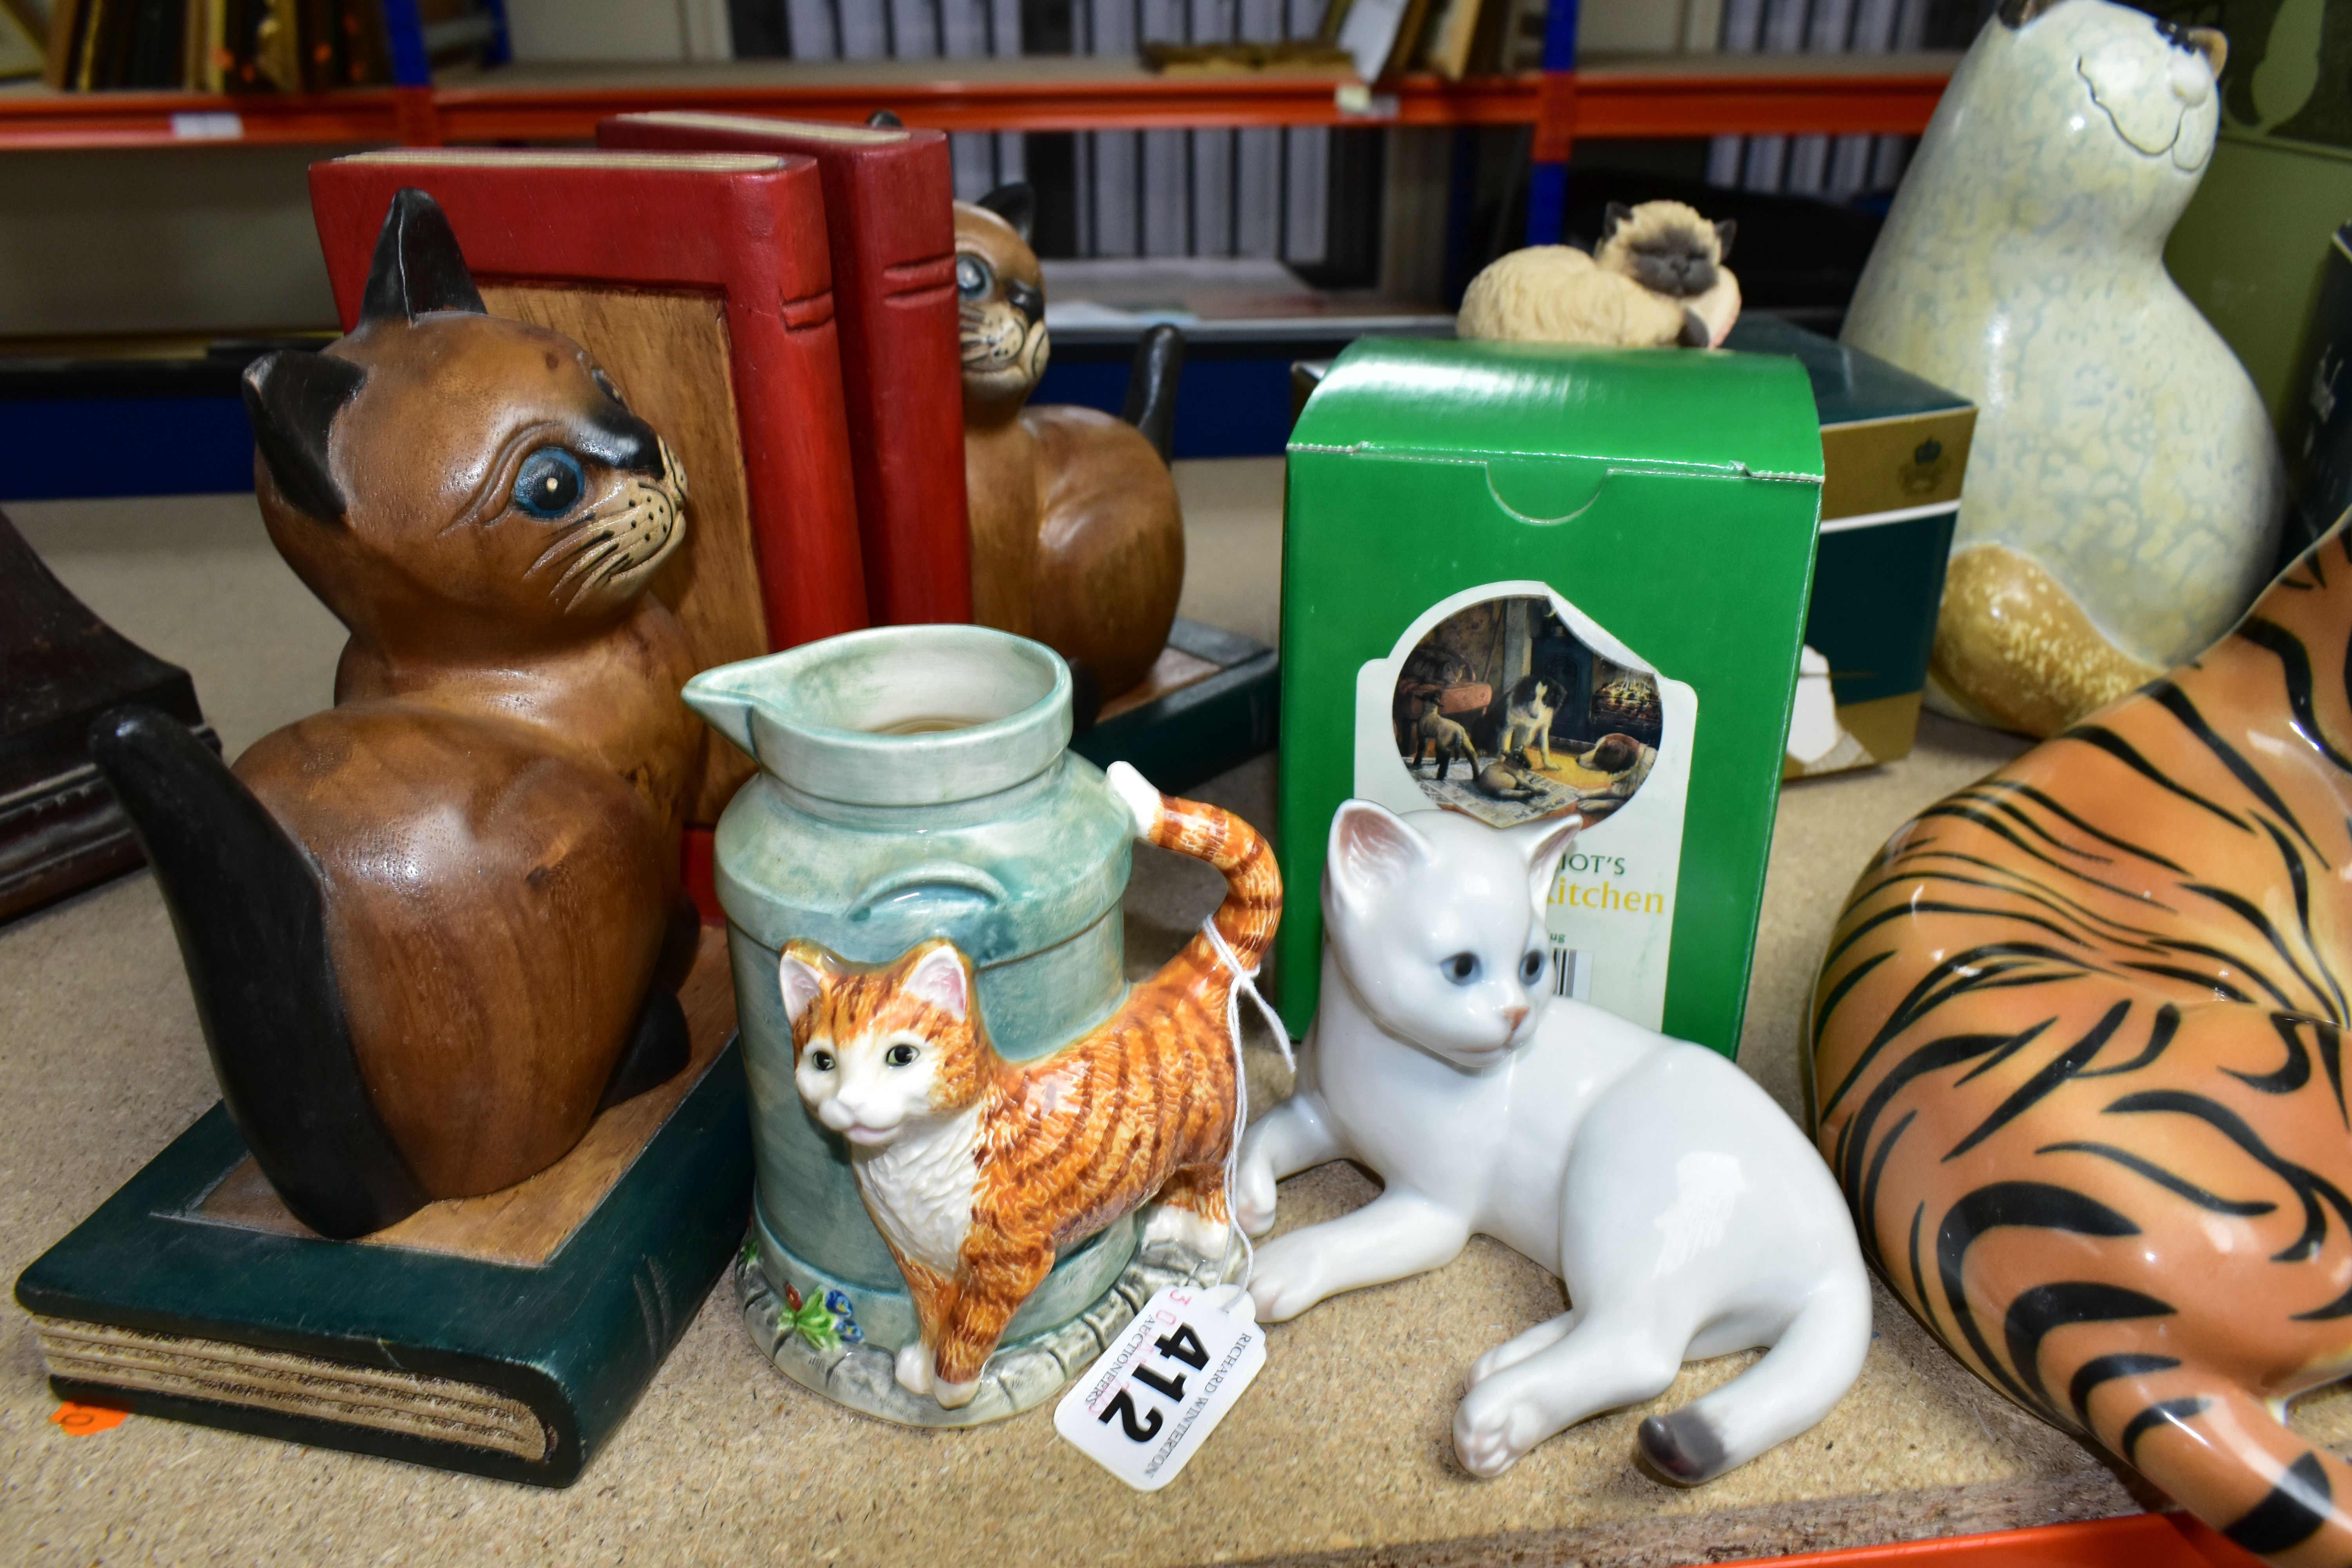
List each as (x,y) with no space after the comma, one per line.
(978,1170)
(2078,1064)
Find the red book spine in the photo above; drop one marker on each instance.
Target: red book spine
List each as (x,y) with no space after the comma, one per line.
(889,212)
(751,231)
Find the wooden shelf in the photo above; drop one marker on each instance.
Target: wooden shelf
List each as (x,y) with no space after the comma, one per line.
(1684,95)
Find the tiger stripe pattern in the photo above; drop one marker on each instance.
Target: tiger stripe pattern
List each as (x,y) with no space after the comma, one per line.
(2078,1065)
(1141,1108)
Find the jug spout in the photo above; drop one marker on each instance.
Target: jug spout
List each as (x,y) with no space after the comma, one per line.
(726,708)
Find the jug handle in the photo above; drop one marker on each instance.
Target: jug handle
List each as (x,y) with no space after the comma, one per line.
(930,874)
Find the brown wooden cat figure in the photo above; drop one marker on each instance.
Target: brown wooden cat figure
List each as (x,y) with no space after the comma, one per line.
(433,930)
(1078,538)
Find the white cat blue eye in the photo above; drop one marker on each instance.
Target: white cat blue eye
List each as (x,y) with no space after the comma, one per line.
(1532,967)
(551,482)
(1461,969)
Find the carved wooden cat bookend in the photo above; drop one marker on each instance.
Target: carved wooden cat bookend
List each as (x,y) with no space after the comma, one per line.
(1078,538)
(433,930)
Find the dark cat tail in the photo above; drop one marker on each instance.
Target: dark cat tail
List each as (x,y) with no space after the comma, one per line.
(250,914)
(1152,387)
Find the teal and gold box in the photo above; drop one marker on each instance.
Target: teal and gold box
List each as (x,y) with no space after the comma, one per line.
(1618,541)
(1893,450)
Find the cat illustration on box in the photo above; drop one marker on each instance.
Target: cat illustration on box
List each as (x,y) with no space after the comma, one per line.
(433,930)
(1078,538)
(978,1171)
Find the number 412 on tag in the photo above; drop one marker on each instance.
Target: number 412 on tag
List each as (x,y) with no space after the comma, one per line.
(1148,1403)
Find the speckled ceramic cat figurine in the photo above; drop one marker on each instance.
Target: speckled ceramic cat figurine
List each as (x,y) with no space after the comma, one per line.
(1078,538)
(978,1170)
(434,928)
(1683,1211)
(2124,489)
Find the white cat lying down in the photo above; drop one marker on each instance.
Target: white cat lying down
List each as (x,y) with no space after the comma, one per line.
(1686,1215)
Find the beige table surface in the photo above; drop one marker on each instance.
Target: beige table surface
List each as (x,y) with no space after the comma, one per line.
(1341,1452)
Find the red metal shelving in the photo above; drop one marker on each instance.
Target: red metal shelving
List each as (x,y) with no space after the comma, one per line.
(1675,96)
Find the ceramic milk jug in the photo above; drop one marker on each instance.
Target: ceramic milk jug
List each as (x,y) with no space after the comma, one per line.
(915,782)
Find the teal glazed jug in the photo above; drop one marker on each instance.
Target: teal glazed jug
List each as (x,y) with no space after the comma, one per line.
(915,782)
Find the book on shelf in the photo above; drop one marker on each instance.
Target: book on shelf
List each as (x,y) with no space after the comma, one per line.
(216,46)
(890,222)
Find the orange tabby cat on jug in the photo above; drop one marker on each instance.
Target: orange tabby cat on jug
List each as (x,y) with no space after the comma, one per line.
(977,1171)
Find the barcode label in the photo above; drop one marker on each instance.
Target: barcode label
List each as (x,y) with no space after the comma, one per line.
(1571,974)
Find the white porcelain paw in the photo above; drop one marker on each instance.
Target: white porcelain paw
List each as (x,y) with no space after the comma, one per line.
(1254,1197)
(955,1395)
(1495,1426)
(1201,1237)
(914,1367)
(1518,1348)
(1284,1280)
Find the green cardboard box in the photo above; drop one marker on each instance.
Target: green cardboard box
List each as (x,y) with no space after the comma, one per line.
(1634,527)
(1893,450)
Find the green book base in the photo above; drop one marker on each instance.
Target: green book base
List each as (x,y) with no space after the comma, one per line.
(190,1294)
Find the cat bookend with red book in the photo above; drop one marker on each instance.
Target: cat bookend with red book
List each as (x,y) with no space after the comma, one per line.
(481,1145)
(701,282)
(1053,522)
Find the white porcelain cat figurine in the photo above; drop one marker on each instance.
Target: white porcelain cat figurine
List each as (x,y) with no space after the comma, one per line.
(1686,1215)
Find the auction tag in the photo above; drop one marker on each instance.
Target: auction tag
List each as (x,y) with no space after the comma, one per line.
(1148,1403)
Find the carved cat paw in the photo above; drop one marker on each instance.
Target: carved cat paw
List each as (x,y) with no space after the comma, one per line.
(955,1395)
(914,1367)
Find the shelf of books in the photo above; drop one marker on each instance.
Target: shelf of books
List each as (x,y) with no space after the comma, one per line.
(1678,95)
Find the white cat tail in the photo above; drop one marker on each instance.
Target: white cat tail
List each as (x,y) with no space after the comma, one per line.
(1136,793)
(1804,1375)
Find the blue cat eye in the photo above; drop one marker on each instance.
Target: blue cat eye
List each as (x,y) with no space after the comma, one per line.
(551,483)
(1532,967)
(973,277)
(1461,969)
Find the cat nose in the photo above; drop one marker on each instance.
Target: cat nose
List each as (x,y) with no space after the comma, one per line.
(1026,297)
(1517,1015)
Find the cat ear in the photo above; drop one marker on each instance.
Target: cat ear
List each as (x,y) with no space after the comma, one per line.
(2017,13)
(292,399)
(939,977)
(1725,227)
(1613,216)
(1016,204)
(417,268)
(803,973)
(1370,848)
(1546,842)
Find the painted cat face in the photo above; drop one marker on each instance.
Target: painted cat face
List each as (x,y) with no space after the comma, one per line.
(1436,920)
(880,1051)
(1666,246)
(2091,66)
(1000,311)
(449,480)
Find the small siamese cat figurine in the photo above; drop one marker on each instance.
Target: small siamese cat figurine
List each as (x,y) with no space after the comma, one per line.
(1687,1217)
(1656,279)
(1078,538)
(434,929)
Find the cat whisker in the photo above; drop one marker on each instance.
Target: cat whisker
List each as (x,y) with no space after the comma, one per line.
(571,543)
